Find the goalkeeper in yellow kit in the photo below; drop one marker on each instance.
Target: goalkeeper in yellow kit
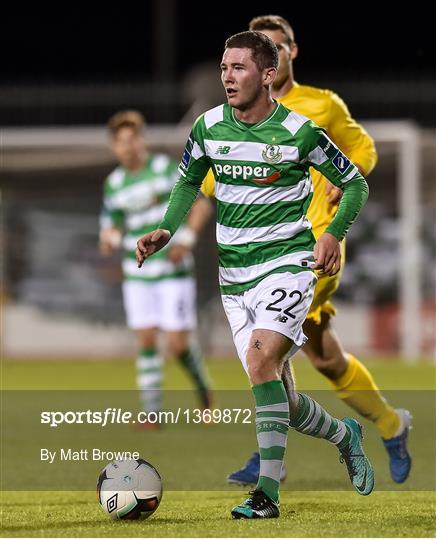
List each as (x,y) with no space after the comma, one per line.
(347,375)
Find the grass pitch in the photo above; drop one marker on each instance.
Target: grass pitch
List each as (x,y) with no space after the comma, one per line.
(206,514)
(391,511)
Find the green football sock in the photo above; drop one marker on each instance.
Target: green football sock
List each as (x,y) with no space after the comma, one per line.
(272,424)
(193,362)
(149,379)
(311,419)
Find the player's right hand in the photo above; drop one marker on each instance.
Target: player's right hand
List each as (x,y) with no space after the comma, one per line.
(327,254)
(177,253)
(150,243)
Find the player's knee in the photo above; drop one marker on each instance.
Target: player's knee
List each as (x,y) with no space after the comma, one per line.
(146,338)
(262,368)
(258,372)
(147,343)
(178,349)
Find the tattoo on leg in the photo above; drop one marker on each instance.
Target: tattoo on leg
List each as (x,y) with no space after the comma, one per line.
(257,344)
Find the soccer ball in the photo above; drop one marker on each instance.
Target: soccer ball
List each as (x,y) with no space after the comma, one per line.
(129,489)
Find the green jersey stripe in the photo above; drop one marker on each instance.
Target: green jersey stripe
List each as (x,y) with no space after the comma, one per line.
(155,269)
(135,203)
(144,193)
(262,188)
(245,194)
(240,216)
(142,230)
(279,231)
(238,275)
(241,287)
(233,256)
(152,216)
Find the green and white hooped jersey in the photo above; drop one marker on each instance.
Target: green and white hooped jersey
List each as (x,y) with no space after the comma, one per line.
(263,189)
(135,203)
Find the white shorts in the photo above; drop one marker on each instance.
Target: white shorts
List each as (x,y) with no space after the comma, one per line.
(280,302)
(168,304)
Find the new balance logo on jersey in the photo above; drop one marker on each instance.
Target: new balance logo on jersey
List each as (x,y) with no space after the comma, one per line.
(281,318)
(246,172)
(223,150)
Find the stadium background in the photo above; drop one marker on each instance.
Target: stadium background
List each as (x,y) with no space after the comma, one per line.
(69,71)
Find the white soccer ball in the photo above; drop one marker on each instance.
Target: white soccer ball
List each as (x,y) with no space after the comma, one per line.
(129,489)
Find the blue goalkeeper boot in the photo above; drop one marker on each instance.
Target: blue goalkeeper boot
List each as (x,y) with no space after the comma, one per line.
(400,461)
(359,468)
(257,506)
(249,474)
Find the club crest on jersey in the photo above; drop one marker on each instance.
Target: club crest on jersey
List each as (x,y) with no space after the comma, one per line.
(271,153)
(341,162)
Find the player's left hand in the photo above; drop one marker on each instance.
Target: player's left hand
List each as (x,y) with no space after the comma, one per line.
(177,253)
(333,193)
(327,252)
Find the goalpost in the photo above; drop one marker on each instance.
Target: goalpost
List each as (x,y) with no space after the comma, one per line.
(406,135)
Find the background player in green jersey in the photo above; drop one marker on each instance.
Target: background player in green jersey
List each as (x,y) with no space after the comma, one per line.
(261,152)
(162,296)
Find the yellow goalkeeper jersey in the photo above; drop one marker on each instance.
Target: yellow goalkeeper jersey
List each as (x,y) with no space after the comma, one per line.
(327,110)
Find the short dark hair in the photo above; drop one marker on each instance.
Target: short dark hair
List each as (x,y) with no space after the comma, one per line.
(273,22)
(263,50)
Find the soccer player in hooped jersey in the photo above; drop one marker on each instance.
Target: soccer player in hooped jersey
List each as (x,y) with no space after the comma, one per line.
(260,153)
(162,295)
(347,375)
